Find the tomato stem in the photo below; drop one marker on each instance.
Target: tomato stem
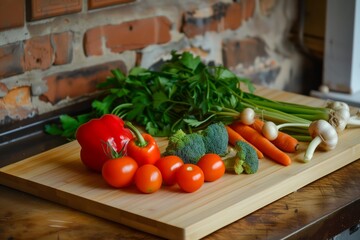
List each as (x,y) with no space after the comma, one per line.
(110,152)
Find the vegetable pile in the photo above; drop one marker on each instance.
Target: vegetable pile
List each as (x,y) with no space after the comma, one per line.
(124,156)
(189,95)
(201,108)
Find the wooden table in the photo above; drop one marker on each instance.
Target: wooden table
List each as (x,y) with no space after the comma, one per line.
(323,209)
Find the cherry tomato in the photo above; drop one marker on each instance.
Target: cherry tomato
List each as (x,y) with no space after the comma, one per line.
(148,178)
(189,177)
(168,165)
(119,172)
(212,166)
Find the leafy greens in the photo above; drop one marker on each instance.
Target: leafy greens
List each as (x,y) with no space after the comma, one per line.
(184,94)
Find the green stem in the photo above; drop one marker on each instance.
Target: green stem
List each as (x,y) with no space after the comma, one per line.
(178,102)
(283,125)
(296,130)
(231,110)
(302,138)
(140,139)
(230,114)
(118,108)
(313,117)
(285,106)
(279,117)
(227,112)
(276,111)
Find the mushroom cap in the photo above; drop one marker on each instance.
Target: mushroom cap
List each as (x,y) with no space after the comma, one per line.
(326,132)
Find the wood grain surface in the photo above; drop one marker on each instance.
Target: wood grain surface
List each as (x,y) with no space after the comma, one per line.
(59,176)
(319,210)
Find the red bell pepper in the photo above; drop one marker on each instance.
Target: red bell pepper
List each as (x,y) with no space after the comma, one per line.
(98,138)
(143,148)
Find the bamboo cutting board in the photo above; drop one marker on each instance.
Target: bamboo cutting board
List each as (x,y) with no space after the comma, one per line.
(58,175)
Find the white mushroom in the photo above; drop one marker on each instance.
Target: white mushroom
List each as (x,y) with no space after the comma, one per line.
(324,135)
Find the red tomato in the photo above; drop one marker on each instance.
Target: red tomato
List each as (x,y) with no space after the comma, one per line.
(212,166)
(189,177)
(119,172)
(168,166)
(148,178)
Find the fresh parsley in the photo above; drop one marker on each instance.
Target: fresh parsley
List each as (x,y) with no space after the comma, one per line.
(184,94)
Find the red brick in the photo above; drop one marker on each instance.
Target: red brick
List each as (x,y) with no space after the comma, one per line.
(244,51)
(10,59)
(40,9)
(93,42)
(239,12)
(93,4)
(77,83)
(128,36)
(233,17)
(12,14)
(62,44)
(35,53)
(248,8)
(16,104)
(138,34)
(38,53)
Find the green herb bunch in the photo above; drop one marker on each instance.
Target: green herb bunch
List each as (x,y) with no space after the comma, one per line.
(184,94)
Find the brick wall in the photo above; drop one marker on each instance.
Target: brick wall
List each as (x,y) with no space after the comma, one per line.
(53,53)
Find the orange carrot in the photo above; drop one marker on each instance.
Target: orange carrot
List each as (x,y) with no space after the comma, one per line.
(262,143)
(284,141)
(257,125)
(234,137)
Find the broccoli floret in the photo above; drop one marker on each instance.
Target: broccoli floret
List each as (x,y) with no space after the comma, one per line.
(216,139)
(245,159)
(189,147)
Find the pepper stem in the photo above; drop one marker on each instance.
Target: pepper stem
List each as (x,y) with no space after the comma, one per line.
(140,139)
